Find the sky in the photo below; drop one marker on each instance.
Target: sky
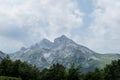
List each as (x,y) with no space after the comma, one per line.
(92,23)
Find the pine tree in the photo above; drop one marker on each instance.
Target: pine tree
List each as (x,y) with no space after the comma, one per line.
(73,73)
(112,71)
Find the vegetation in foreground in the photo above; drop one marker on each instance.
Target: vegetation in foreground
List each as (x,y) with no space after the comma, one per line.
(9,78)
(25,71)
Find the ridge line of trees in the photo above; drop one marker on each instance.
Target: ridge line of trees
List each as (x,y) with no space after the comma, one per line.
(57,71)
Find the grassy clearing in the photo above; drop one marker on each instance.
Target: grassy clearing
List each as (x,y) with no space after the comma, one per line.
(9,78)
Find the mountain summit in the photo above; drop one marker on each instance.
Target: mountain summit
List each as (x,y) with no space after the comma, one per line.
(63,40)
(42,44)
(64,51)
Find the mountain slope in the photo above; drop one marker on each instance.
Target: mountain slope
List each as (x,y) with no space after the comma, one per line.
(64,51)
(2,55)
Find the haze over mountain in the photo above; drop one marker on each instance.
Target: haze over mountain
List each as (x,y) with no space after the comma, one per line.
(64,51)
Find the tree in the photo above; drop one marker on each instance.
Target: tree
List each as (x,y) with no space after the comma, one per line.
(55,72)
(74,73)
(96,75)
(18,69)
(112,71)
(5,66)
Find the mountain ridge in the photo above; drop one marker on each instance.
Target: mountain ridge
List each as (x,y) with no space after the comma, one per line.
(64,51)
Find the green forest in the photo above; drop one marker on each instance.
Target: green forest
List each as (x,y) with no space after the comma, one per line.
(18,70)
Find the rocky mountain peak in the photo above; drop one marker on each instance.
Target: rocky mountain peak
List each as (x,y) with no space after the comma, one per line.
(44,43)
(64,51)
(23,49)
(63,40)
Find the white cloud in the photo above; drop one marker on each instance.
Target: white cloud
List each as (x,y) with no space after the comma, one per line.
(10,45)
(25,22)
(41,18)
(105,28)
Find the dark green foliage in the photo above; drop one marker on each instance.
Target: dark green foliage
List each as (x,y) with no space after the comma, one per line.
(73,73)
(24,71)
(96,75)
(55,72)
(112,71)
(18,69)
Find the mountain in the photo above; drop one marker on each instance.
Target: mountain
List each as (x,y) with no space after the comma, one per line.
(2,55)
(64,51)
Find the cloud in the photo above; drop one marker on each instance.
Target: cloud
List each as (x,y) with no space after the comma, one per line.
(93,23)
(28,21)
(10,45)
(105,28)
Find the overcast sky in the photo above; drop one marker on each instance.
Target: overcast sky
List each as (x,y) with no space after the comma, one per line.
(92,23)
